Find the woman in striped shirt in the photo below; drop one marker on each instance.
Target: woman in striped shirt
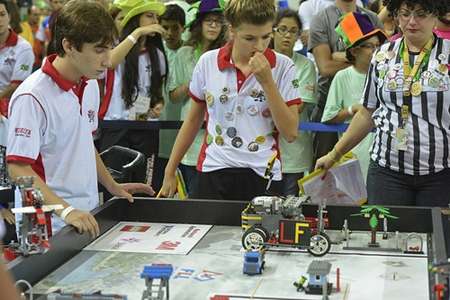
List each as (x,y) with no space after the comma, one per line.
(407,100)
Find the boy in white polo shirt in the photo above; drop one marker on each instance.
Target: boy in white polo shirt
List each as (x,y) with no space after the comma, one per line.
(248,94)
(16,57)
(54,113)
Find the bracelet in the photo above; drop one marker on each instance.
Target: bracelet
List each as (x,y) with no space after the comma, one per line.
(132,39)
(65,212)
(350,110)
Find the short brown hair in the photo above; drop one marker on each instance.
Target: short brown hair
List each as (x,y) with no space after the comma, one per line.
(257,12)
(83,21)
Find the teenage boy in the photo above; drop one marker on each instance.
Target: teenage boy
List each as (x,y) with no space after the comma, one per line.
(16,58)
(249,96)
(54,113)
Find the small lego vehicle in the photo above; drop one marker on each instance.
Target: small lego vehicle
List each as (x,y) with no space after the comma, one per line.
(253,262)
(275,221)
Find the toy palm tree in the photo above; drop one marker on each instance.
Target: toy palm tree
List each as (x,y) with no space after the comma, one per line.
(373,213)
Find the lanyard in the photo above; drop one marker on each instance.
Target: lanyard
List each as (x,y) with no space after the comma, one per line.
(413,74)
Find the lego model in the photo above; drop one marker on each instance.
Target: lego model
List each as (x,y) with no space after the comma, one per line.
(318,278)
(34,224)
(253,262)
(300,283)
(373,213)
(275,221)
(413,244)
(156,279)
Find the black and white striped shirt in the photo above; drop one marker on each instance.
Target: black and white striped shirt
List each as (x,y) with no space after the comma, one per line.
(428,124)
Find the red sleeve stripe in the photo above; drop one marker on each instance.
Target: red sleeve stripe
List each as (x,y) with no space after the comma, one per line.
(297,101)
(195,98)
(16,81)
(20,159)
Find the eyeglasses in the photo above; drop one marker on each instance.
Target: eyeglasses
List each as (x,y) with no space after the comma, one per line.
(419,15)
(211,22)
(284,31)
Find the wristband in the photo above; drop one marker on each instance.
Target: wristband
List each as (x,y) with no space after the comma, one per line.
(66,211)
(350,110)
(132,39)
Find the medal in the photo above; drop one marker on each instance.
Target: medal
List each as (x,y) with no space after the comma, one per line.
(380,56)
(253,147)
(231,132)
(219,140)
(260,140)
(402,139)
(223,99)
(236,142)
(416,89)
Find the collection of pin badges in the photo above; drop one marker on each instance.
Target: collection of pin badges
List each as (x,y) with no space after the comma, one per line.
(231,132)
(395,79)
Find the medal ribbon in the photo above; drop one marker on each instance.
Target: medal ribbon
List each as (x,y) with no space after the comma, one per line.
(423,58)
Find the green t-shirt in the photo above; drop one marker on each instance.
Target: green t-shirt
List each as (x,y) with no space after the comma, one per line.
(347,89)
(296,157)
(171,111)
(183,66)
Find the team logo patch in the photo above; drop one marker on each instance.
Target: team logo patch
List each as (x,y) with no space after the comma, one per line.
(295,83)
(91,115)
(25,132)
(24,67)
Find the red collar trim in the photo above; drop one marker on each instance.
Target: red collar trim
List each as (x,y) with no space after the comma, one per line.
(12,40)
(50,70)
(224,57)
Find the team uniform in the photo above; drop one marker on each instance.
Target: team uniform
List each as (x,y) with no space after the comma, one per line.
(51,122)
(240,135)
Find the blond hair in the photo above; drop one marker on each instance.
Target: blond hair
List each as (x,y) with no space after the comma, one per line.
(256,12)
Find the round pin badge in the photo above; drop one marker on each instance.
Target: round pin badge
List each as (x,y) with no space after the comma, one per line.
(397,67)
(231,132)
(442,69)
(223,99)
(381,66)
(266,113)
(426,74)
(209,99)
(442,57)
(209,139)
(392,74)
(219,140)
(399,81)
(252,110)
(392,85)
(239,109)
(236,142)
(218,129)
(260,139)
(434,82)
(254,93)
(253,147)
(380,56)
(229,116)
(226,90)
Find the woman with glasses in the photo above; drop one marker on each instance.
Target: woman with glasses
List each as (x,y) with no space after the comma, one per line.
(407,100)
(347,86)
(296,157)
(207,32)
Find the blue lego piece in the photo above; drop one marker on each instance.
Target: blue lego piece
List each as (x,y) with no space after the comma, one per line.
(157,271)
(253,262)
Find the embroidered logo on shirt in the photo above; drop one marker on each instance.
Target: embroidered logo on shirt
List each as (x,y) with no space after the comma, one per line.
(25,132)
(91,115)
(24,67)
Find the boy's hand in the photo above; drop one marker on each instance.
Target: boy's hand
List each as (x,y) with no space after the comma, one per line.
(260,67)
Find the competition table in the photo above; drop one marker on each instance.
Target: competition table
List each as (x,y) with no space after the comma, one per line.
(364,275)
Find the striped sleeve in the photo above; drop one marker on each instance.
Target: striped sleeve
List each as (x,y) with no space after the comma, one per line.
(369,99)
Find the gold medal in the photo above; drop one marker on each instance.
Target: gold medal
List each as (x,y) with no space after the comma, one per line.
(392,85)
(416,89)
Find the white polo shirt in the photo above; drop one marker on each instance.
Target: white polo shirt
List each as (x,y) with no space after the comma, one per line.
(16,60)
(240,129)
(51,121)
(116,109)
